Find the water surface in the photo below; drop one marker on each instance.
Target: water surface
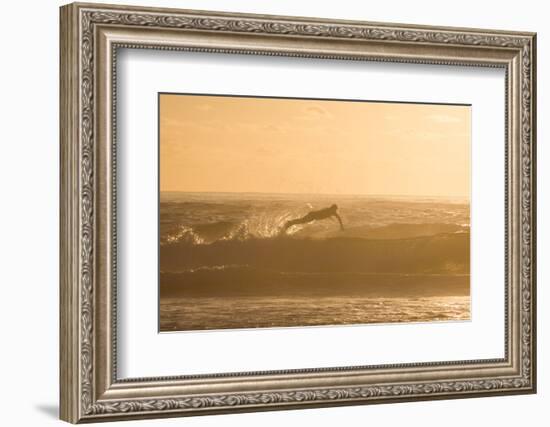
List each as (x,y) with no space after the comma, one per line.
(226,261)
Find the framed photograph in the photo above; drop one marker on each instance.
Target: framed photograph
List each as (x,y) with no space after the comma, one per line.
(265,212)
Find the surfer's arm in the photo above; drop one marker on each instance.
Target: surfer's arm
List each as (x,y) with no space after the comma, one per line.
(339,220)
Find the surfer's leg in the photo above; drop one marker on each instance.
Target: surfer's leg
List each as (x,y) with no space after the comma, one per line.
(303,220)
(307,218)
(296,221)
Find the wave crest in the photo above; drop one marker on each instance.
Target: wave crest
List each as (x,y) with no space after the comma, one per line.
(257,227)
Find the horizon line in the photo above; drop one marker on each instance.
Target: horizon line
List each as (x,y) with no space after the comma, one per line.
(320,194)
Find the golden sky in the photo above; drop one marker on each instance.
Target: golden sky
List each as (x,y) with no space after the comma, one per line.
(232,144)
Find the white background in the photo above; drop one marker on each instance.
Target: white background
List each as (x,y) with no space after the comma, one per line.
(29,172)
(145,353)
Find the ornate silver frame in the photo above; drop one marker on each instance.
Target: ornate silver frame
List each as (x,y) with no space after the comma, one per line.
(90,36)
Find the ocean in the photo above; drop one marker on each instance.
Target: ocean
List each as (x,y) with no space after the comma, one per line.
(227,262)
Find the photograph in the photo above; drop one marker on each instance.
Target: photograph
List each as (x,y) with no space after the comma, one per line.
(289,212)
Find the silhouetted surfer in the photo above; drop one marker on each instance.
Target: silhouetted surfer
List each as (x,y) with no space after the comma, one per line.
(315,216)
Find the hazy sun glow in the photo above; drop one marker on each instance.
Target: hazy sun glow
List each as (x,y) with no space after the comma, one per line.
(270,145)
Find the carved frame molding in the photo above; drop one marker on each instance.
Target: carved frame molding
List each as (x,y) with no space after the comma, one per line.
(90,37)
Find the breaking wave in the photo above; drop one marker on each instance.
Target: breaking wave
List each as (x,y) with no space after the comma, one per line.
(262,227)
(272,227)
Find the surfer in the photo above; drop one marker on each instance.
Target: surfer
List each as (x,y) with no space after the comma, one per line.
(332,211)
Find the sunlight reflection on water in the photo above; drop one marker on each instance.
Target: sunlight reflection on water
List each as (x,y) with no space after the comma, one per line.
(180,314)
